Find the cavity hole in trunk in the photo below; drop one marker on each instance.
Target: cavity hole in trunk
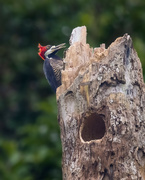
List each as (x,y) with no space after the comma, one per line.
(93,127)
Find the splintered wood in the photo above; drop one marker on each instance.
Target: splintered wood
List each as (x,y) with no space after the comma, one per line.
(75,59)
(101,111)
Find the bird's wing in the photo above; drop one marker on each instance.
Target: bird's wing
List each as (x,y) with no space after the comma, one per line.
(52,70)
(57,66)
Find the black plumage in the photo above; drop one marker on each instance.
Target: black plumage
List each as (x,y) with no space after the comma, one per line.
(52,69)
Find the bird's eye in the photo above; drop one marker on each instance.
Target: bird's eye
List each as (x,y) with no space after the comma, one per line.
(48,46)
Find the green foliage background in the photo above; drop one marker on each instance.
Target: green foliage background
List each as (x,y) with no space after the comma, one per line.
(30,147)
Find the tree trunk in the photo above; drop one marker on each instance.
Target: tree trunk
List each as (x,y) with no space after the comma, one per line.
(101,111)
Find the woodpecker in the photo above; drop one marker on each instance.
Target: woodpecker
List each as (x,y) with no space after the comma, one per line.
(52,65)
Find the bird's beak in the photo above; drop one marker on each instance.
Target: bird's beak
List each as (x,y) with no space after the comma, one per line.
(60,46)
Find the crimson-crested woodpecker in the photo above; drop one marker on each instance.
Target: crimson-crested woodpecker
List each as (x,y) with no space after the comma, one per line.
(52,64)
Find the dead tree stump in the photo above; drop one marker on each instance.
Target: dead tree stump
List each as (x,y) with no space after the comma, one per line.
(101,111)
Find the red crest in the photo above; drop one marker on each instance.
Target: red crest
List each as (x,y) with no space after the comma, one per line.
(42,50)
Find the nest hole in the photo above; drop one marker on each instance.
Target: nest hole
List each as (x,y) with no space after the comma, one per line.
(93,128)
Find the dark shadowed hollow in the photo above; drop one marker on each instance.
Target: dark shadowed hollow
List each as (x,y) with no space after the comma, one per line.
(93,128)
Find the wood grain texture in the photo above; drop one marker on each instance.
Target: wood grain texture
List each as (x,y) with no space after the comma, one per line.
(101,111)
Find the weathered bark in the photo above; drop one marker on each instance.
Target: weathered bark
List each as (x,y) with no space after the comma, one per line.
(101,111)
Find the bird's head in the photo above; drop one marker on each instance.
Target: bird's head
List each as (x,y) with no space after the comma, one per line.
(48,50)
